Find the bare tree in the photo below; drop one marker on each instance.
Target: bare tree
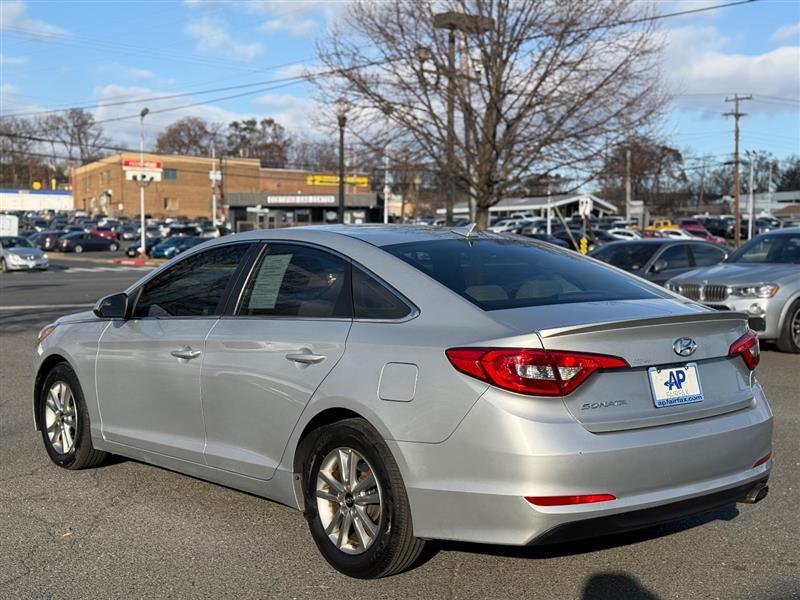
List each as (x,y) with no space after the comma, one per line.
(305,153)
(540,84)
(76,130)
(266,140)
(658,174)
(190,136)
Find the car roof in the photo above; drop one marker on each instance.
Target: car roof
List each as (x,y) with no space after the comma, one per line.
(373,234)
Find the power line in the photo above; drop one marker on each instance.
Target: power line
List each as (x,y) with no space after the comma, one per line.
(387,60)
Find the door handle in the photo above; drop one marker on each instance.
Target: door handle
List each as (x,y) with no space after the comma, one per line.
(305,358)
(186,353)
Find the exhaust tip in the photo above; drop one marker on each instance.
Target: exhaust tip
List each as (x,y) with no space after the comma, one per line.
(757,493)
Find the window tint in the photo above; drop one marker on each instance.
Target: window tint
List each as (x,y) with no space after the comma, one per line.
(193,287)
(373,300)
(297,281)
(705,256)
(499,274)
(630,257)
(677,257)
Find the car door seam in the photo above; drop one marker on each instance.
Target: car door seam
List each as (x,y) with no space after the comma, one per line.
(202,405)
(96,384)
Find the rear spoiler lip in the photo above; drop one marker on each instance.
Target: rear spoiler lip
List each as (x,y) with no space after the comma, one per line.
(630,323)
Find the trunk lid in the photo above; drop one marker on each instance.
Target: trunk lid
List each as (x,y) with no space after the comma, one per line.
(643,333)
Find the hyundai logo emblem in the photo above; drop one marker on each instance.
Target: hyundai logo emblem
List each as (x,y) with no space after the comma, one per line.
(684,346)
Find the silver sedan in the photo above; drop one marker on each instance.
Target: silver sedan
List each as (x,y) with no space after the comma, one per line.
(402,384)
(761,279)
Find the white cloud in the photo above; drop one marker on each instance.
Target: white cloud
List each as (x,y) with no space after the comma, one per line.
(126,132)
(297,27)
(697,62)
(787,32)
(213,38)
(135,74)
(12,60)
(13,16)
(298,114)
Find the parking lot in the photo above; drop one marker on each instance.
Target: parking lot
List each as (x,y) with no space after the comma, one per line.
(132,530)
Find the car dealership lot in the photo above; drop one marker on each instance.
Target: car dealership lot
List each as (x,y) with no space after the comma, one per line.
(150,532)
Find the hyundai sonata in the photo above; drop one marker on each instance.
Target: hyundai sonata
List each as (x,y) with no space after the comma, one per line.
(404,384)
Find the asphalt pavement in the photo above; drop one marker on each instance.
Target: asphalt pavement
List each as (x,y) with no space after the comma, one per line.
(129,530)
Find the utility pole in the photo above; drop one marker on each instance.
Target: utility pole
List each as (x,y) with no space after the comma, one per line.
(628,185)
(736,114)
(387,191)
(751,201)
(769,191)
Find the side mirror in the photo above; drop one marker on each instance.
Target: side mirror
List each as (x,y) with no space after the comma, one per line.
(659,266)
(114,306)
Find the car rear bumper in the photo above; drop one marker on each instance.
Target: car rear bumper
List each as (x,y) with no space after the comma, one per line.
(472,487)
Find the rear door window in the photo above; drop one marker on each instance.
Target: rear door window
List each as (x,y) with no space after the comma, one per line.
(504,273)
(298,281)
(705,256)
(676,257)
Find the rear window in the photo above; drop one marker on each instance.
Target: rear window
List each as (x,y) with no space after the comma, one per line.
(501,274)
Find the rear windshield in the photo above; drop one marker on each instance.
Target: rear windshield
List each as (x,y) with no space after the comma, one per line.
(628,256)
(500,274)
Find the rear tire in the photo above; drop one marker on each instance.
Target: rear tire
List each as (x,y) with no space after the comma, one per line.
(3,265)
(392,547)
(789,340)
(64,421)
(113,247)
(78,249)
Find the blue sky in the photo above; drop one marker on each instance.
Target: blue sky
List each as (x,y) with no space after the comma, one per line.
(57,54)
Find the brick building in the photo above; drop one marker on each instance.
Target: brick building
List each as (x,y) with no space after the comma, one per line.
(249,194)
(184,190)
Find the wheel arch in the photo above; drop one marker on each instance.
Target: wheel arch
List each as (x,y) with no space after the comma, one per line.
(47,365)
(305,441)
(784,314)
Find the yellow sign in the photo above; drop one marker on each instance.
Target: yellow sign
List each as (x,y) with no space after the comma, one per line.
(37,185)
(584,245)
(334,180)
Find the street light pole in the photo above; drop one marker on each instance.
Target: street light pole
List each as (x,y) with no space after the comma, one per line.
(142,185)
(341,117)
(455,21)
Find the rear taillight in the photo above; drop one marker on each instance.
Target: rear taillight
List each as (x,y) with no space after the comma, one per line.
(534,372)
(747,347)
(568,500)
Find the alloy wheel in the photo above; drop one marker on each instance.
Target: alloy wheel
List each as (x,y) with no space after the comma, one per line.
(61,417)
(796,327)
(349,500)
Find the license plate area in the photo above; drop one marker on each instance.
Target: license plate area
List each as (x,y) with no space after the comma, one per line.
(673,386)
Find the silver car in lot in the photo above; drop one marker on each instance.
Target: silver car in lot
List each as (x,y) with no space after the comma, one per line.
(400,384)
(19,254)
(761,279)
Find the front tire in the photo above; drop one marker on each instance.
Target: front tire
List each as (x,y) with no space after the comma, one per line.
(64,421)
(3,266)
(789,340)
(113,247)
(356,503)
(78,249)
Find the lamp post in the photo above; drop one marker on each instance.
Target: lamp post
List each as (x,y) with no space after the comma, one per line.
(454,21)
(342,108)
(417,183)
(142,184)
